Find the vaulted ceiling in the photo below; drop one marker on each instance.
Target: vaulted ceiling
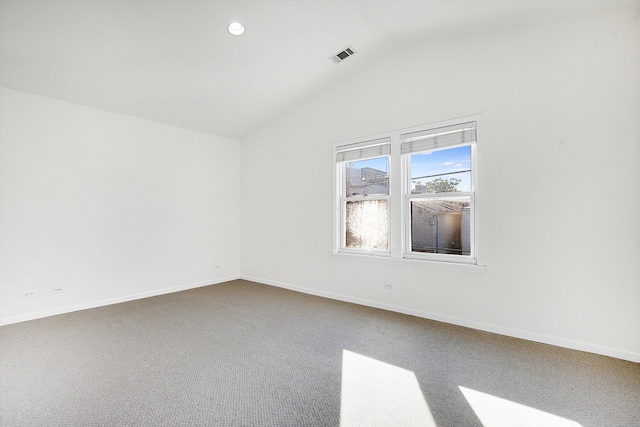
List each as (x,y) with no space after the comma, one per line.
(173,61)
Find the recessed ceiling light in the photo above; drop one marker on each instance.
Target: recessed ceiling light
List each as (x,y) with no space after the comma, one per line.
(236,28)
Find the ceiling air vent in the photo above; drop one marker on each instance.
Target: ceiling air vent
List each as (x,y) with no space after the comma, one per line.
(343,54)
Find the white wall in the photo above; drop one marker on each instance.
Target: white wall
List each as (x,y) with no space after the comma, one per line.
(559,170)
(108,206)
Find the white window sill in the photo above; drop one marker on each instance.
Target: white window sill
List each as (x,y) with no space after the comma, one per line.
(380,259)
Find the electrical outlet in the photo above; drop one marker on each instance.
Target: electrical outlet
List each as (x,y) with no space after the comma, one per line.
(28,294)
(388,286)
(57,290)
(217,266)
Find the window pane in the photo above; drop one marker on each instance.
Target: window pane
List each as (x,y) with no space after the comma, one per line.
(367,177)
(441,226)
(367,224)
(442,171)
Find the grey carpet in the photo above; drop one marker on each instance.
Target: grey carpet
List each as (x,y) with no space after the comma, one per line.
(246,354)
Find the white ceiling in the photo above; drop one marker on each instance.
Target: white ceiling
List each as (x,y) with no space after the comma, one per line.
(173,61)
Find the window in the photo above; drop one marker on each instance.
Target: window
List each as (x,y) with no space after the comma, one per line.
(364,195)
(439,205)
(410,194)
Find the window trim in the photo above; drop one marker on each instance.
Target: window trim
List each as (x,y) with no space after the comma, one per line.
(399,200)
(412,263)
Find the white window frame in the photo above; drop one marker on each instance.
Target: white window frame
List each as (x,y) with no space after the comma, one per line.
(339,172)
(408,197)
(399,207)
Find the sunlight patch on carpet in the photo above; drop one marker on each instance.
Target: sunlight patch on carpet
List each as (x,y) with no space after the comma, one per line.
(376,393)
(494,411)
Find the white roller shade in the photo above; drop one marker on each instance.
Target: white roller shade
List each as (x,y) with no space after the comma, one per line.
(431,139)
(364,150)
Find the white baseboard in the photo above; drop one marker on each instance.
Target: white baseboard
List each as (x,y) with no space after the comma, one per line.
(531,336)
(101,303)
(515,333)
